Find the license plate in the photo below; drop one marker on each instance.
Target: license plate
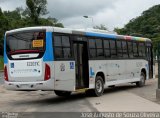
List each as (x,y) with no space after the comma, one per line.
(24,85)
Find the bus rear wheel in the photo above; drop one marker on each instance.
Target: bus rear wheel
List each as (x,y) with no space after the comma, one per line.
(62,93)
(99,88)
(141,83)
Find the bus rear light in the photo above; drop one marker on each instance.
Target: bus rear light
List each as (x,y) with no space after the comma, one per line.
(47,75)
(5,73)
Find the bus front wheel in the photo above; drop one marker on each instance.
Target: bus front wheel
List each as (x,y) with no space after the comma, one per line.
(62,93)
(99,88)
(141,83)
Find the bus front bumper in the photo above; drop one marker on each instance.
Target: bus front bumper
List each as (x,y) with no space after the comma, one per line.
(30,86)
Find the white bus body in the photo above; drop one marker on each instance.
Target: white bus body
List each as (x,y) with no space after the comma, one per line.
(24,70)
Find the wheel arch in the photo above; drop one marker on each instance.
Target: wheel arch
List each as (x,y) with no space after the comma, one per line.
(101,73)
(145,72)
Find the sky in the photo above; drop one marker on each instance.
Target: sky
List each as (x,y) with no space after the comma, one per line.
(111,13)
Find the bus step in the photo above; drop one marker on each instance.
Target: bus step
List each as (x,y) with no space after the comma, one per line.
(81,90)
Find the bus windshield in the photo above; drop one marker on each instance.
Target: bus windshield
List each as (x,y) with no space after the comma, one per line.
(25,42)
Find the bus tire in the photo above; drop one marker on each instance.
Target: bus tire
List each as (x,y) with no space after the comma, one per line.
(99,88)
(62,93)
(141,83)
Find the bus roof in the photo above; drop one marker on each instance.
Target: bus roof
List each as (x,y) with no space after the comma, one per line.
(85,32)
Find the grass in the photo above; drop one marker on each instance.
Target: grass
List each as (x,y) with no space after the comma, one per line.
(1,63)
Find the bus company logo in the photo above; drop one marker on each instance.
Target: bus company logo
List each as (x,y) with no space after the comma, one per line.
(12,65)
(35,70)
(24,56)
(71,65)
(91,72)
(62,67)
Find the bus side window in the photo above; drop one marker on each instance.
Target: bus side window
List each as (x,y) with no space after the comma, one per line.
(107,53)
(135,49)
(62,47)
(141,50)
(113,48)
(92,48)
(58,47)
(99,47)
(130,49)
(65,41)
(125,50)
(66,47)
(119,49)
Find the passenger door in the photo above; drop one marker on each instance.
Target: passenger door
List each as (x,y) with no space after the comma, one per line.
(150,59)
(81,64)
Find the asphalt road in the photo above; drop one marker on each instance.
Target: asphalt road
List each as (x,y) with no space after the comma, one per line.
(42,101)
(147,92)
(47,101)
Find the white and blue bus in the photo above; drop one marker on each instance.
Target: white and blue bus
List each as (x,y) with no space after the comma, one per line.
(67,60)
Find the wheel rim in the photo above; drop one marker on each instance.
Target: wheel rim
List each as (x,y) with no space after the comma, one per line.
(99,86)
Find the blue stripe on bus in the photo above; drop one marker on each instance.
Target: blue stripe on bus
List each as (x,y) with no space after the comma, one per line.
(5,55)
(101,35)
(48,55)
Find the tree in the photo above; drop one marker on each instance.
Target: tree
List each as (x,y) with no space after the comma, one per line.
(4,25)
(31,16)
(35,9)
(15,19)
(146,25)
(55,22)
(101,27)
(3,28)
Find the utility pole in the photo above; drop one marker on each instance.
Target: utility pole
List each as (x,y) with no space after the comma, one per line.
(158,89)
(91,18)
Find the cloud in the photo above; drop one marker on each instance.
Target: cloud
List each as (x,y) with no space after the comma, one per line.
(64,9)
(116,16)
(3,1)
(111,13)
(11,4)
